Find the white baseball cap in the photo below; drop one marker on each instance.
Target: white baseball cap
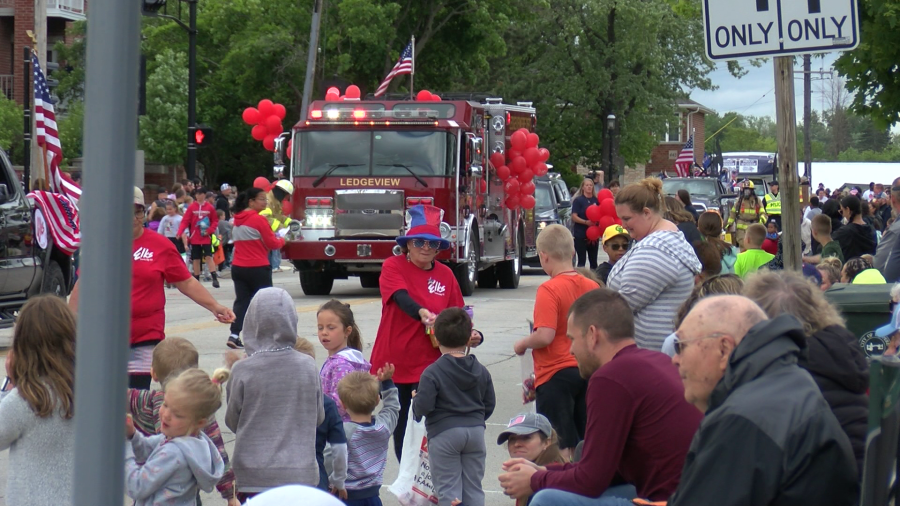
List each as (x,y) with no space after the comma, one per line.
(139,197)
(225,186)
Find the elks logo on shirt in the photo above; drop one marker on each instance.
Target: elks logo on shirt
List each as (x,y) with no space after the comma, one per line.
(435,287)
(143,254)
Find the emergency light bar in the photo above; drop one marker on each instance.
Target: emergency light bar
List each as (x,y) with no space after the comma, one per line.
(361,114)
(372,123)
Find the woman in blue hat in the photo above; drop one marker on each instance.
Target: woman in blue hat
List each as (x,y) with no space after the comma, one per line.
(414,289)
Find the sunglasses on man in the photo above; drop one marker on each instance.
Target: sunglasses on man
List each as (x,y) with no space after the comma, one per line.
(421,243)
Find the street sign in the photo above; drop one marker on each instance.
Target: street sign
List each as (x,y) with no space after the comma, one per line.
(738,29)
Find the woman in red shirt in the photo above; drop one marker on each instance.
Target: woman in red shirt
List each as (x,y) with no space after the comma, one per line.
(250,269)
(155,262)
(414,289)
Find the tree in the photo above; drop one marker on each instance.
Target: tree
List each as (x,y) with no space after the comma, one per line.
(71,74)
(71,130)
(11,121)
(164,128)
(870,70)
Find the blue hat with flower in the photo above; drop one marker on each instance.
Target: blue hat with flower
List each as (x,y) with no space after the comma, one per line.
(424,223)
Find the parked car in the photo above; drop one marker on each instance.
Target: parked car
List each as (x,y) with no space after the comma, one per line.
(553,205)
(707,193)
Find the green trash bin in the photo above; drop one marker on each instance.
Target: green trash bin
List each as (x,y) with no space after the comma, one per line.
(865,308)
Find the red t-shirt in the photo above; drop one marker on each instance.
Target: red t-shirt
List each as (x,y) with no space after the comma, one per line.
(191,221)
(155,261)
(551,310)
(639,427)
(401,340)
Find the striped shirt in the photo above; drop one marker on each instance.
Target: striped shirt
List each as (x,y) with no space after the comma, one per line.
(368,443)
(656,276)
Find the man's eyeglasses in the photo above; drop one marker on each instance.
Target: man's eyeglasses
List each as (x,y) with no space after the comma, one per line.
(617,247)
(421,243)
(681,345)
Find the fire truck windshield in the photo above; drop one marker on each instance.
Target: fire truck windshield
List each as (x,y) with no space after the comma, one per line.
(380,152)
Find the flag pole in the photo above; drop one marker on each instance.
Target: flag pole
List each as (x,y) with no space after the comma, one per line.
(412,70)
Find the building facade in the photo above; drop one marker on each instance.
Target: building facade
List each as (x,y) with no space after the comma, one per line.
(690,118)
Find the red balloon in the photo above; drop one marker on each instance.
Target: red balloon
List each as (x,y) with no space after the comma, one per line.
(518,165)
(594,233)
(290,148)
(527,188)
(352,91)
(435,98)
(545,154)
(532,156)
(250,116)
(618,221)
(269,143)
(519,140)
(533,140)
(528,202)
(423,96)
(333,95)
(608,208)
(273,125)
(259,132)
(512,202)
(279,111)
(261,183)
(503,172)
(540,169)
(526,176)
(605,222)
(511,187)
(266,108)
(593,213)
(482,185)
(335,90)
(513,154)
(497,159)
(604,194)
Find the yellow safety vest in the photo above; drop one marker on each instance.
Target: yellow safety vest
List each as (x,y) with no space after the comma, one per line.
(773,204)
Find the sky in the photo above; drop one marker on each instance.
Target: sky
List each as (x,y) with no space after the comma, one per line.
(754,94)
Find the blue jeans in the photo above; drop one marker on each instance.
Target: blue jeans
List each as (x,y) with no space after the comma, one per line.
(620,495)
(275,258)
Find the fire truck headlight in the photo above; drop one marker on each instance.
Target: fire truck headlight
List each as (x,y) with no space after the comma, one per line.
(333,114)
(445,230)
(319,218)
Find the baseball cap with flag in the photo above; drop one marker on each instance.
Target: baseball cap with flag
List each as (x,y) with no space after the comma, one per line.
(526,423)
(424,223)
(891,327)
(614,231)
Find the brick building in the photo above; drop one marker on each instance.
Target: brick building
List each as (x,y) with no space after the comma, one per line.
(691,117)
(16,17)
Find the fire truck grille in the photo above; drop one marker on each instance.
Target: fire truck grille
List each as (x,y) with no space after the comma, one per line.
(360,213)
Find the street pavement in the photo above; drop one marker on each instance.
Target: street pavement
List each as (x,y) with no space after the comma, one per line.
(500,314)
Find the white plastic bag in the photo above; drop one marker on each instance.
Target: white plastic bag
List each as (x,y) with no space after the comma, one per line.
(413,486)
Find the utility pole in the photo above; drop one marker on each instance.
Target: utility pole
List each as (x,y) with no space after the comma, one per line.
(308,83)
(807,116)
(191,168)
(786,119)
(40,48)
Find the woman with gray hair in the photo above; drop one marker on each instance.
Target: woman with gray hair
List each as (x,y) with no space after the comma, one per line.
(834,358)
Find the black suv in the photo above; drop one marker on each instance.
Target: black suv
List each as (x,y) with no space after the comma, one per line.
(30,263)
(553,205)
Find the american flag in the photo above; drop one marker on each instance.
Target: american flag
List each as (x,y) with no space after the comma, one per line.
(404,66)
(60,205)
(685,159)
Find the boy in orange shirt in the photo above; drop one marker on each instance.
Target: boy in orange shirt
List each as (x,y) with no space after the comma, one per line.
(559,386)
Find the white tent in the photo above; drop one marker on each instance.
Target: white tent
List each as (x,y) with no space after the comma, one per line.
(835,174)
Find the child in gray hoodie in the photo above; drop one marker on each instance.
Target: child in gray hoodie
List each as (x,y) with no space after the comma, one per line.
(175,463)
(274,401)
(456,397)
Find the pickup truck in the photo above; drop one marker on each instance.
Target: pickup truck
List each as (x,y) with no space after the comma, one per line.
(30,263)
(707,193)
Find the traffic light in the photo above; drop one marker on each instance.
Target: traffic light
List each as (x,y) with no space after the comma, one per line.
(201,135)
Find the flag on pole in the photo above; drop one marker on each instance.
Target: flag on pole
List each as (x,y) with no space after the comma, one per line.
(685,159)
(404,66)
(60,204)
(47,135)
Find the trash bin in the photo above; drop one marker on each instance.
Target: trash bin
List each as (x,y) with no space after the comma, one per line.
(865,308)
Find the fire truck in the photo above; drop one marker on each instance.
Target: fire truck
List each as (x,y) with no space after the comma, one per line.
(357,166)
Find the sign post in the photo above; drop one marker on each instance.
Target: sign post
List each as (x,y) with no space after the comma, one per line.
(737,29)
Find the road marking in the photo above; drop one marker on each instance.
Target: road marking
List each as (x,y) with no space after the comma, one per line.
(192,327)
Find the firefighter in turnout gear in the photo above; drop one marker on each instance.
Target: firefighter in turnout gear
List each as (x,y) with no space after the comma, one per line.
(747,211)
(772,204)
(274,211)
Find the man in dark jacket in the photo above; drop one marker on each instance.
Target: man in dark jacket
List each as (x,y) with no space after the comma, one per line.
(222,203)
(769,437)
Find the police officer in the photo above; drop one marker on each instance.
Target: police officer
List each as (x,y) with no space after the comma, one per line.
(772,203)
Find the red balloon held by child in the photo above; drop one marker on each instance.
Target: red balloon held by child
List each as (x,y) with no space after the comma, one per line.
(606,222)
(608,208)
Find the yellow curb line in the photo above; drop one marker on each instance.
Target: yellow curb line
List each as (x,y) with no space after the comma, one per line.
(179,329)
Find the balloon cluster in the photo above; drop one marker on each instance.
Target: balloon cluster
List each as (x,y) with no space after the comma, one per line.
(603,214)
(427,96)
(525,161)
(265,119)
(334,94)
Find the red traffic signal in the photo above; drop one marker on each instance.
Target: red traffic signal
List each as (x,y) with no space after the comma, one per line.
(200,135)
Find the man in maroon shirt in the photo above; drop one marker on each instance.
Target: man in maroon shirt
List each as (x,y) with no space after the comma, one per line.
(639,426)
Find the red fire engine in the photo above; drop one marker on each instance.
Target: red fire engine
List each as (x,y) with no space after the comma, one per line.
(358,165)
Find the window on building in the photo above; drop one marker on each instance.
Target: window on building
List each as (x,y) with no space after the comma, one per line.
(673,130)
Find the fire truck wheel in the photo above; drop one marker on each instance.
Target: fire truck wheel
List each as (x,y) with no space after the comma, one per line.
(467,272)
(316,283)
(488,278)
(369,280)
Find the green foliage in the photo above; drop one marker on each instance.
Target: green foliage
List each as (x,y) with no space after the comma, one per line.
(71,130)
(71,76)
(11,122)
(164,128)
